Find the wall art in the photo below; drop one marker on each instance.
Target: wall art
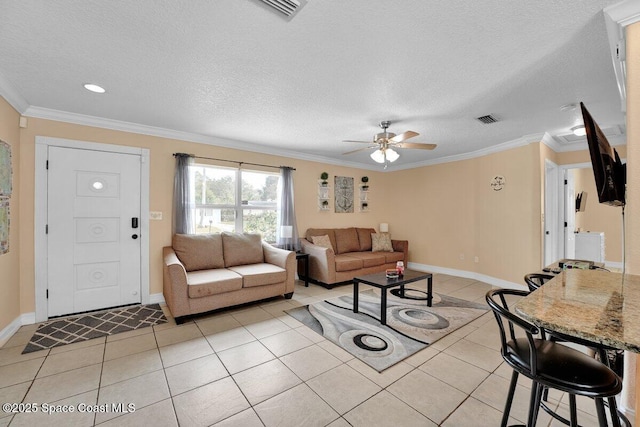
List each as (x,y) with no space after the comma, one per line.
(4,226)
(344,194)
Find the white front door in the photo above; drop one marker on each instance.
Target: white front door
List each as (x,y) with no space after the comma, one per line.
(569,215)
(93,220)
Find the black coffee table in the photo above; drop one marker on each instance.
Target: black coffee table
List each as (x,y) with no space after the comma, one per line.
(379,280)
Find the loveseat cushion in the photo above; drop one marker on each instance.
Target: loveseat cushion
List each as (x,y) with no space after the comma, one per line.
(369,259)
(242,249)
(260,274)
(199,252)
(346,240)
(211,282)
(347,263)
(364,237)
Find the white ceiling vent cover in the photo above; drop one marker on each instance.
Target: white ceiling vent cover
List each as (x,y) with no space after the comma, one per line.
(288,8)
(488,119)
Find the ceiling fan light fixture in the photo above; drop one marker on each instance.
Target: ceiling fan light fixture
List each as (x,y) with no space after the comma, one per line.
(378,156)
(579,130)
(392,155)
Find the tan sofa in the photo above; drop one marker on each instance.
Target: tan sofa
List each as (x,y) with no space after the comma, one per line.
(350,255)
(212,271)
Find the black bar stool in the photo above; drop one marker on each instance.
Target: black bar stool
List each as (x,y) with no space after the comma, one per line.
(535,280)
(548,364)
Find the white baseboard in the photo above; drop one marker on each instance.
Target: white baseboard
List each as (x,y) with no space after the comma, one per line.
(500,283)
(12,328)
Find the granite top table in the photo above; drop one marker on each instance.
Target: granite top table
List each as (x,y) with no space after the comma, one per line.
(597,306)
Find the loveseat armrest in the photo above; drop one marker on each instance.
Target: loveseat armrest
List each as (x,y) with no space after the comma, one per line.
(401,246)
(283,259)
(175,288)
(322,262)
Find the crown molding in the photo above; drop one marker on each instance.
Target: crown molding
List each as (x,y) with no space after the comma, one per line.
(519,142)
(118,125)
(12,96)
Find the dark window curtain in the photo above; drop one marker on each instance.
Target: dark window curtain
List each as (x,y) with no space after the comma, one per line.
(183,199)
(287,231)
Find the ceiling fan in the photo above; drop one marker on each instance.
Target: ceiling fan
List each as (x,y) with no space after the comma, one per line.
(385,142)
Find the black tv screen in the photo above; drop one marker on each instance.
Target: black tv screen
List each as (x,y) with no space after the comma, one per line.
(608,170)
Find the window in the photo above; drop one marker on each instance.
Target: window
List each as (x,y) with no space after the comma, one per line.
(230,199)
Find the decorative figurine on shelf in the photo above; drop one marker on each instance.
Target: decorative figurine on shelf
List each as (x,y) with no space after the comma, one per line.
(325,204)
(400,268)
(324,177)
(365,186)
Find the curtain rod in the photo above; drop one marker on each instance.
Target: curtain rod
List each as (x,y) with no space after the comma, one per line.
(234,161)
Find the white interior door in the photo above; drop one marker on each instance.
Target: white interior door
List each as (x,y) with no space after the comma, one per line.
(569,215)
(92,243)
(551,216)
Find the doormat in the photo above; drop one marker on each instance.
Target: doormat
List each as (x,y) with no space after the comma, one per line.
(94,325)
(411,324)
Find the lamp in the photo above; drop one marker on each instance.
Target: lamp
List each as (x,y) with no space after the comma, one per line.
(286,232)
(384,227)
(579,130)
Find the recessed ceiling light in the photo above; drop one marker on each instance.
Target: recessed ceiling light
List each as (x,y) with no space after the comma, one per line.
(94,88)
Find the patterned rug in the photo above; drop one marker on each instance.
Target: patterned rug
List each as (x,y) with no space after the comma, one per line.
(411,324)
(94,325)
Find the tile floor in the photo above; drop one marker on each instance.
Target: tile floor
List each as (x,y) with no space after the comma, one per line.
(257,366)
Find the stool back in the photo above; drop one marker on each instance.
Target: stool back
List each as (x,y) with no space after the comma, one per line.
(535,280)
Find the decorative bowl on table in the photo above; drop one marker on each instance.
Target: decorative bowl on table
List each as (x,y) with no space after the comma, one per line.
(392,273)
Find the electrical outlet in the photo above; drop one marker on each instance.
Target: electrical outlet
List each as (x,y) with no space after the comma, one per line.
(155,216)
(476,259)
(461,257)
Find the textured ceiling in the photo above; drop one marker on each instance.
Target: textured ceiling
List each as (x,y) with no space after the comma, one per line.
(234,72)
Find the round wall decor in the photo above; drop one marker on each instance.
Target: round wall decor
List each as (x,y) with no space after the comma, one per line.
(498,182)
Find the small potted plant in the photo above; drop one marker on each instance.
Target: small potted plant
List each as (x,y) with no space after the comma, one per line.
(324,177)
(365,186)
(325,204)
(365,206)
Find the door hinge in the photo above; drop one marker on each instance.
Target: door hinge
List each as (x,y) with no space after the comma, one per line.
(47,165)
(46,229)
(566,182)
(47,293)
(565,224)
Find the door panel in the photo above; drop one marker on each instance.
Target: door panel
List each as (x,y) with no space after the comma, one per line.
(93,261)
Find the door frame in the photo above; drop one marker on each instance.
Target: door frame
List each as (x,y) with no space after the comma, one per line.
(41,207)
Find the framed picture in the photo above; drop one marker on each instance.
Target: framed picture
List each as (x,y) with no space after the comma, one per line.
(344,194)
(5,169)
(4,226)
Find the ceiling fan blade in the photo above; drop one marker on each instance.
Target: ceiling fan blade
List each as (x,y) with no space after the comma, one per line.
(417,145)
(360,149)
(403,136)
(350,140)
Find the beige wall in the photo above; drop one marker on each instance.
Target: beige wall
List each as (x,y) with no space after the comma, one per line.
(451,212)
(9,272)
(599,217)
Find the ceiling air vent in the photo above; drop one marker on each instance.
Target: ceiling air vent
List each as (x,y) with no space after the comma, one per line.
(487,120)
(288,8)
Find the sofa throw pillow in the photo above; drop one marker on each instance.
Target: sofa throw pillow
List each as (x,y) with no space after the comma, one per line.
(364,236)
(322,241)
(242,249)
(199,252)
(381,242)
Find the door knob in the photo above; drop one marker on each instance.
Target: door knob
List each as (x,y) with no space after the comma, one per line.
(135,236)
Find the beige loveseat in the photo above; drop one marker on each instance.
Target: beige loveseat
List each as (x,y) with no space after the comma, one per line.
(211,271)
(350,255)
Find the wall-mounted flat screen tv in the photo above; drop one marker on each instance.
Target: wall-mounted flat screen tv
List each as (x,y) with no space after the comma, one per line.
(608,170)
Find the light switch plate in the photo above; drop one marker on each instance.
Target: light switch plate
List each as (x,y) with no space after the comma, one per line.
(155,216)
